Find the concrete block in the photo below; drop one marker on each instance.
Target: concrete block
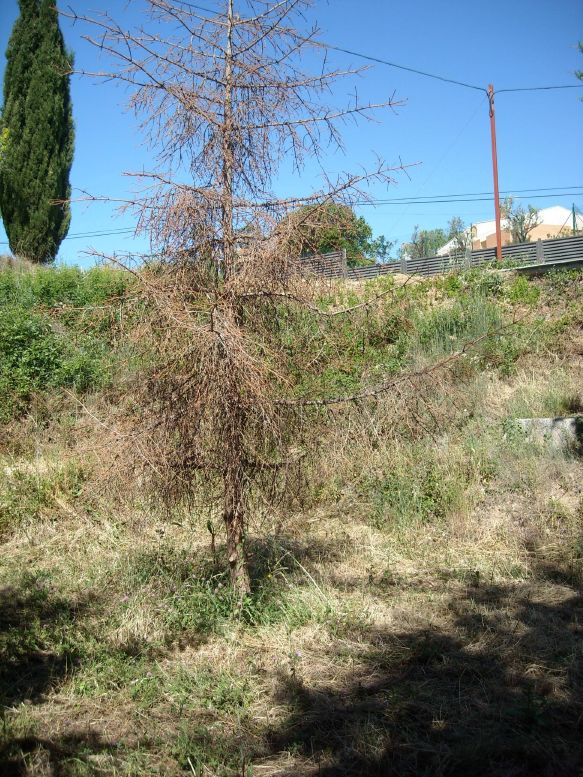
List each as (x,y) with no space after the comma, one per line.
(562,433)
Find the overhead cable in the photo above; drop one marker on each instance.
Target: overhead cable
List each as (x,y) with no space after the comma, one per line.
(407,68)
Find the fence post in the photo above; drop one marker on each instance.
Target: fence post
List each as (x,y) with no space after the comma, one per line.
(344,264)
(540,252)
(404,265)
(468,256)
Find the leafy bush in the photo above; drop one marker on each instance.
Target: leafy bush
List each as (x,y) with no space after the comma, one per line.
(34,357)
(51,286)
(56,329)
(521,290)
(477,281)
(444,329)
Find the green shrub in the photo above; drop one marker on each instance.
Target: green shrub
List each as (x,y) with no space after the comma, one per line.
(35,357)
(444,329)
(52,286)
(478,281)
(202,607)
(521,290)
(197,600)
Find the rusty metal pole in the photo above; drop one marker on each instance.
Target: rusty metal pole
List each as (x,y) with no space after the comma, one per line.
(495,171)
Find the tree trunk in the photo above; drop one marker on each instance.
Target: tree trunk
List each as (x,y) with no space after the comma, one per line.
(228,154)
(234,514)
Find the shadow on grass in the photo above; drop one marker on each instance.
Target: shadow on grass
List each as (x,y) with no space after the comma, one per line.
(495,689)
(31,755)
(265,556)
(37,653)
(579,434)
(42,644)
(498,690)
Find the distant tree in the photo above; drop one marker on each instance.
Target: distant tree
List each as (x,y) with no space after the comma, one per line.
(321,229)
(380,248)
(424,242)
(518,221)
(461,235)
(37,134)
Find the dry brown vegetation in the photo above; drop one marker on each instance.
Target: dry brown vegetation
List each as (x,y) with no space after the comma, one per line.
(417,602)
(224,98)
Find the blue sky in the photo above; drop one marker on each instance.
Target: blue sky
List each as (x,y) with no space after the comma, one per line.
(442,129)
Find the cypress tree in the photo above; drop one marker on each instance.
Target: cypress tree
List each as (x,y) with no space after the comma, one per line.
(37,134)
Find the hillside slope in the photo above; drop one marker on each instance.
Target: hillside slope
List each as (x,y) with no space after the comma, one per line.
(417,606)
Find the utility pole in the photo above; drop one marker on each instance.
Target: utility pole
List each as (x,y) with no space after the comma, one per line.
(574,220)
(495,172)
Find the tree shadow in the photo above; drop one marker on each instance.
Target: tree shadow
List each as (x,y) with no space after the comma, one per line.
(283,553)
(579,434)
(31,755)
(37,653)
(264,554)
(498,690)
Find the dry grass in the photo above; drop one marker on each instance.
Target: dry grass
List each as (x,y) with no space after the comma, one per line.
(421,614)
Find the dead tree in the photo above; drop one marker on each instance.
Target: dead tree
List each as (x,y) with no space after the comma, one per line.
(224,100)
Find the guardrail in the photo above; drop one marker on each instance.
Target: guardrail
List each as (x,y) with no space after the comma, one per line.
(334,265)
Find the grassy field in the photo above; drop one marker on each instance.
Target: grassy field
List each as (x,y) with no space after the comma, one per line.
(417,605)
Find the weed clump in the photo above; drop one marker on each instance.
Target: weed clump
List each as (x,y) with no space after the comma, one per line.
(29,493)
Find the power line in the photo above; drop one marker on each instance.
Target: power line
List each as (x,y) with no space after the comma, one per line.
(416,201)
(524,194)
(540,88)
(407,68)
(369,58)
(98,232)
(81,235)
(434,199)
(442,158)
(380,61)
(479,194)
(102,233)
(443,78)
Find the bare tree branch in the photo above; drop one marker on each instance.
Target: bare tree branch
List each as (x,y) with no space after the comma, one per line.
(224,100)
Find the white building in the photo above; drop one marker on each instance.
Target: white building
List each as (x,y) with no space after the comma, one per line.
(554,221)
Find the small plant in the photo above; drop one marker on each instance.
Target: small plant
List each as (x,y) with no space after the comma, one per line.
(415,491)
(205,688)
(27,494)
(446,329)
(522,291)
(198,749)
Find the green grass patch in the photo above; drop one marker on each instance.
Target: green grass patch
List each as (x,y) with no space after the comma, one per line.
(415,490)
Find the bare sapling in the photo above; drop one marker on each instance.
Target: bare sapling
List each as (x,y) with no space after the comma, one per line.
(224,100)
